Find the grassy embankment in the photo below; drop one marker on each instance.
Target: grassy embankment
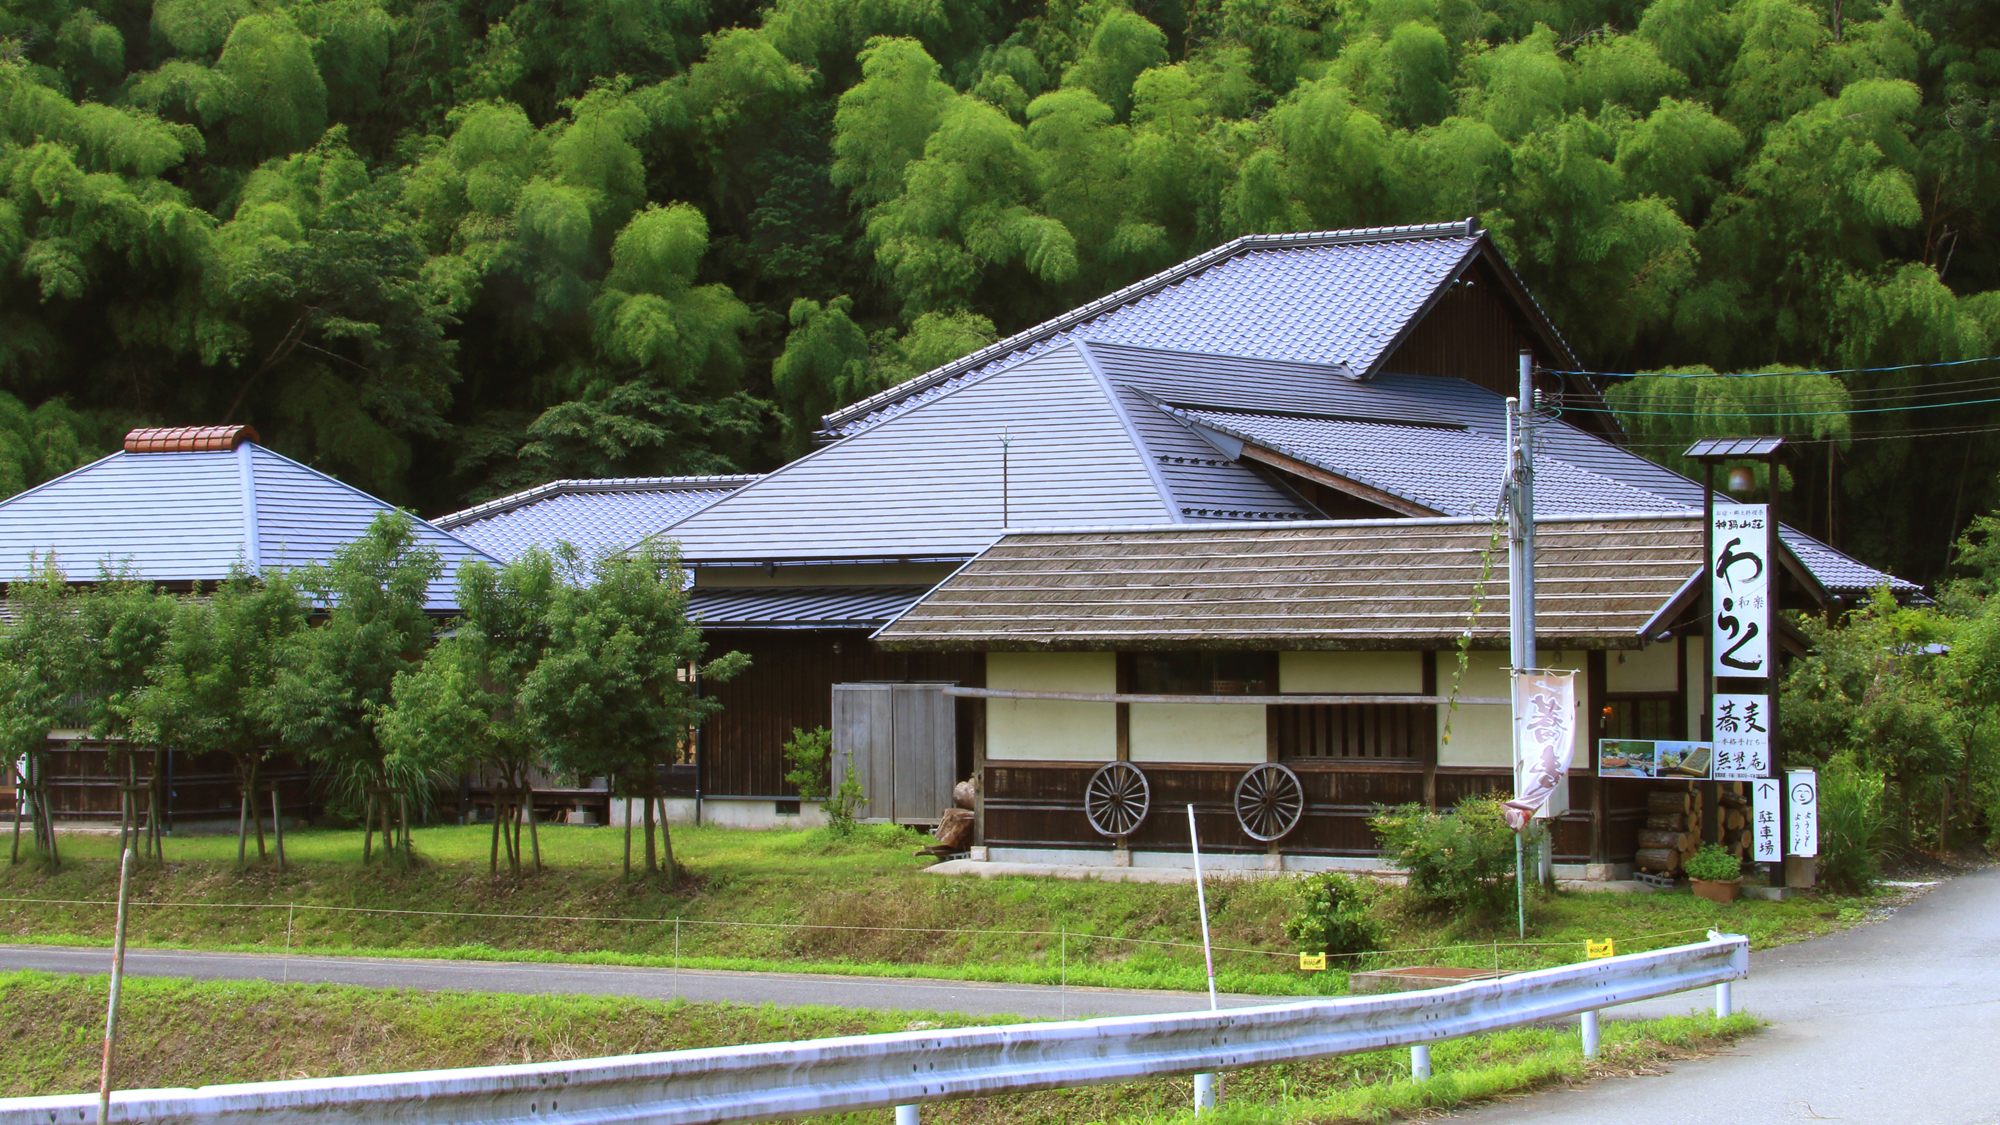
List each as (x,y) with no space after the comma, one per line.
(176,1033)
(797,887)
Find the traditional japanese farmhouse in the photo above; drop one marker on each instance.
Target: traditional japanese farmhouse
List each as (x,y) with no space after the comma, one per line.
(1330,406)
(182,508)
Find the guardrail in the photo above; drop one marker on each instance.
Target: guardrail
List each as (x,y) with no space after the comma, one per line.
(817,1076)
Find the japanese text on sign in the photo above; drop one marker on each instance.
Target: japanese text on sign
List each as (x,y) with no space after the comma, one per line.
(1739,591)
(1312,962)
(1766,809)
(1802,804)
(1593,949)
(1742,737)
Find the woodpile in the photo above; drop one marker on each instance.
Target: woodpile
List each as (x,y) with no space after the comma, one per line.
(1677,824)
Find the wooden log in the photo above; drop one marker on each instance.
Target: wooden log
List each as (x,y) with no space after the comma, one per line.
(1661,838)
(1658,859)
(1672,822)
(1734,800)
(1669,802)
(1734,821)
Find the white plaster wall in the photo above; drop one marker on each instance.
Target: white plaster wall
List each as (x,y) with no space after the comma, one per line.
(1197,732)
(1350,673)
(726,811)
(1483,734)
(1653,668)
(1697,703)
(1051,729)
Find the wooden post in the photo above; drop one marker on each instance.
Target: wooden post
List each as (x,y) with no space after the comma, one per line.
(628,835)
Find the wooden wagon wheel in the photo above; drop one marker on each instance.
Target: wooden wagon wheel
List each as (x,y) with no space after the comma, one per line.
(1117,799)
(1269,802)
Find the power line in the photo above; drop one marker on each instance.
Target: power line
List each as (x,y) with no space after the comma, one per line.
(1777,413)
(1770,374)
(1877,394)
(1892,435)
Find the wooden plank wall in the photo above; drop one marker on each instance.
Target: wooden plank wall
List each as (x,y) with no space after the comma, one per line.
(789,684)
(1473,333)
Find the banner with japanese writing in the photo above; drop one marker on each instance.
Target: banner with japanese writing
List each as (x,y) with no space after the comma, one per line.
(1802,805)
(1740,591)
(1544,735)
(1742,737)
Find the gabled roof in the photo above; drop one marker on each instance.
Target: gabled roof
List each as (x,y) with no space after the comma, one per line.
(593,515)
(1352,585)
(178,517)
(1338,298)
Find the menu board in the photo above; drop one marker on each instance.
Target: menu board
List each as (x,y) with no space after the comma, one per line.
(1632,757)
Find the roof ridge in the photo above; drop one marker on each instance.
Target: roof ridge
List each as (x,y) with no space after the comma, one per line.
(578,485)
(1463,228)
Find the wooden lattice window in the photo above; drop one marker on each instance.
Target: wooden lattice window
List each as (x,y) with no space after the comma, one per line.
(1355,731)
(1640,717)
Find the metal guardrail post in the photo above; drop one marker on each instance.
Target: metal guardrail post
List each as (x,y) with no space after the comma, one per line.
(1204,1093)
(1590,1036)
(908,1115)
(1420,1062)
(1723,1005)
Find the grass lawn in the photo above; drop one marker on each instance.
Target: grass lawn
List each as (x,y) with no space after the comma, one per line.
(802,901)
(176,1033)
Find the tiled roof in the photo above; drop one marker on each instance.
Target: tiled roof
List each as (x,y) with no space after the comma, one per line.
(192,516)
(1448,469)
(800,607)
(188,439)
(1356,585)
(1836,571)
(593,515)
(1330,297)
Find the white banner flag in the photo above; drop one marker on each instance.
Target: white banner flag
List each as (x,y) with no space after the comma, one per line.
(1742,737)
(1544,735)
(1740,591)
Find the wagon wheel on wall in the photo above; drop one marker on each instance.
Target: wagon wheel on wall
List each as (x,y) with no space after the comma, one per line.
(1117,798)
(1269,802)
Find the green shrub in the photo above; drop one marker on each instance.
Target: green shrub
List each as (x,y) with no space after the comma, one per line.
(1331,915)
(840,803)
(1713,865)
(1853,825)
(807,754)
(1461,860)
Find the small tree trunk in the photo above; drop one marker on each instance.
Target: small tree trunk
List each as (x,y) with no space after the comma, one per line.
(528,812)
(367,827)
(257,813)
(652,862)
(628,836)
(15,782)
(242,822)
(403,817)
(493,863)
(667,846)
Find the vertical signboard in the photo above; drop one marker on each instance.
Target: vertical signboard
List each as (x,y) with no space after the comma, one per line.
(1740,591)
(1544,735)
(1767,797)
(1742,737)
(1802,803)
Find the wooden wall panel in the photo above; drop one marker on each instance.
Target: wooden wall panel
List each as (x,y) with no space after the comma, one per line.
(200,787)
(789,684)
(1473,333)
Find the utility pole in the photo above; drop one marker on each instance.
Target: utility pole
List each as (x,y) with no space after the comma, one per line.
(1520,495)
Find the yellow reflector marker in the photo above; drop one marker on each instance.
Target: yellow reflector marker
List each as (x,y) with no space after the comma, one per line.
(1312,962)
(1595,949)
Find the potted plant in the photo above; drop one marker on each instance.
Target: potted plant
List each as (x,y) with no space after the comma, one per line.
(1716,875)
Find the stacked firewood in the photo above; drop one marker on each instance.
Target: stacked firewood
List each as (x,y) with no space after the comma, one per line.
(1672,831)
(1675,826)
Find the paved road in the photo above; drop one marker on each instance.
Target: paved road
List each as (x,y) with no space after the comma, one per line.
(1034,1001)
(1893,1022)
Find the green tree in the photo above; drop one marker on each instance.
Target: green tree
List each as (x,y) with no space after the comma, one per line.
(212,680)
(461,709)
(615,696)
(334,681)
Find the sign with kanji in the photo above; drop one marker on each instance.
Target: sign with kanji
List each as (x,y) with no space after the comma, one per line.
(1594,949)
(1802,802)
(1312,962)
(1767,808)
(1544,734)
(1742,737)
(1740,591)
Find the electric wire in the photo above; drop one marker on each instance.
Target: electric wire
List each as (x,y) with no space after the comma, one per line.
(1768,374)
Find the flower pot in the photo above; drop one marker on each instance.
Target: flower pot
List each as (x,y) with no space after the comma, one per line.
(1717,892)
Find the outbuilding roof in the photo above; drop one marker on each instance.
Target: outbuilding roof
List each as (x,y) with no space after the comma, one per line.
(593,515)
(800,607)
(192,516)
(1374,584)
(1343,299)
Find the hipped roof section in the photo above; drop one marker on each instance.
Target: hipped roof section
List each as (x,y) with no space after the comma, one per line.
(1362,585)
(594,516)
(192,516)
(1345,298)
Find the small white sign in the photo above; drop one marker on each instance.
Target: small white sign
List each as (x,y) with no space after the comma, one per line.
(1767,797)
(1742,737)
(1802,802)
(1739,591)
